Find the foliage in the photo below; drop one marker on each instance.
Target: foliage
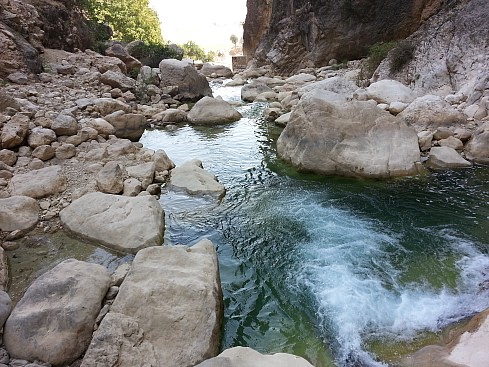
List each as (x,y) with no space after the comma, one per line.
(377,53)
(152,53)
(234,39)
(401,55)
(130,19)
(193,51)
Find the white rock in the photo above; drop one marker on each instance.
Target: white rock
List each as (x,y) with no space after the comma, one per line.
(477,148)
(388,91)
(18,213)
(424,140)
(193,179)
(39,183)
(210,111)
(445,157)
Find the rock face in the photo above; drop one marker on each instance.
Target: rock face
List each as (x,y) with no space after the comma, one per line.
(211,111)
(191,85)
(18,213)
(193,179)
(168,311)
(39,183)
(351,139)
(291,35)
(244,357)
(36,331)
(123,223)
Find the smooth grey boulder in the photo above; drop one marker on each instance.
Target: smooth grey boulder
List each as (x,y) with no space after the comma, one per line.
(350,139)
(446,157)
(336,84)
(102,126)
(477,148)
(53,322)
(209,111)
(215,70)
(191,178)
(122,223)
(388,91)
(191,84)
(250,91)
(64,125)
(38,183)
(127,125)
(431,112)
(40,136)
(168,311)
(18,213)
(247,357)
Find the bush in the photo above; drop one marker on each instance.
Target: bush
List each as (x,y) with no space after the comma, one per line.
(401,56)
(152,53)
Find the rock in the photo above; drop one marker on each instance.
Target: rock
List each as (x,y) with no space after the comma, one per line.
(143,172)
(14,132)
(36,164)
(283,120)
(300,79)
(168,292)
(211,111)
(247,357)
(44,152)
(132,187)
(18,78)
(38,184)
(66,69)
(64,125)
(147,76)
(445,157)
(102,126)
(18,213)
(117,50)
(35,330)
(193,179)
(7,101)
(477,149)
(351,139)
(8,157)
(109,178)
(424,139)
(397,107)
(119,147)
(220,71)
(171,115)
(463,134)
(162,161)
(122,223)
(452,142)
(250,91)
(431,112)
(119,274)
(442,133)
(388,91)
(106,106)
(191,84)
(336,84)
(40,136)
(4,268)
(118,80)
(127,125)
(5,307)
(65,151)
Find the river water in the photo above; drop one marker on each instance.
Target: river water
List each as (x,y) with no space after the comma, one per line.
(341,271)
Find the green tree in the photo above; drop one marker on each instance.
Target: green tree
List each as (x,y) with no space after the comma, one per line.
(234,40)
(193,51)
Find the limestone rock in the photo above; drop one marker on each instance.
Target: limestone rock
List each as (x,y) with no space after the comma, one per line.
(8,157)
(388,91)
(35,330)
(171,115)
(118,80)
(162,161)
(144,172)
(445,157)
(250,91)
(110,178)
(8,101)
(352,139)
(5,307)
(102,126)
(210,111)
(191,84)
(431,112)
(247,357)
(64,125)
(18,213)
(300,78)
(40,136)
(132,187)
(123,223)
(106,106)
(148,76)
(14,133)
(424,139)
(169,308)
(452,142)
(117,50)
(39,183)
(44,152)
(336,84)
(127,125)
(193,179)
(477,148)
(220,71)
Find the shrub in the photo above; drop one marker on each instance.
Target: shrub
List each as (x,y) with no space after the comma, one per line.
(152,53)
(401,55)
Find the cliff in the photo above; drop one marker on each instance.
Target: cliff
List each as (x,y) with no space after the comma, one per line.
(294,34)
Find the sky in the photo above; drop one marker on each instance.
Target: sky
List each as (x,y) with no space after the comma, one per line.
(208,23)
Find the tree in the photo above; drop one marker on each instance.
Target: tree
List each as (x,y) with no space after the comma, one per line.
(234,39)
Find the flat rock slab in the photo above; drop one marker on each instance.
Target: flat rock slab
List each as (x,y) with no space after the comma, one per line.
(18,213)
(122,223)
(190,177)
(39,183)
(247,357)
(168,311)
(53,322)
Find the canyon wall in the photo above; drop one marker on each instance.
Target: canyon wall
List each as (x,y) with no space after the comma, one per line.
(293,34)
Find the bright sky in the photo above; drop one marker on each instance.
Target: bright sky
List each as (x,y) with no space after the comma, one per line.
(209,23)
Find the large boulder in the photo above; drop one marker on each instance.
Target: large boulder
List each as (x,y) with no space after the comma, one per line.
(118,80)
(18,213)
(247,357)
(215,70)
(38,183)
(127,125)
(351,139)
(477,148)
(191,178)
(336,84)
(388,91)
(168,311)
(191,84)
(122,223)
(53,322)
(117,50)
(431,112)
(210,111)
(446,157)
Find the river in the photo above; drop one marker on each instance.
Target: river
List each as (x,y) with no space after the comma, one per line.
(344,272)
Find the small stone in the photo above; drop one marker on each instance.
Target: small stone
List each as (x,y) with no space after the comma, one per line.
(10,245)
(112,292)
(119,274)
(102,314)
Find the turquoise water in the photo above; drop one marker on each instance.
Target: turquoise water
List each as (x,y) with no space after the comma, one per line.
(327,267)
